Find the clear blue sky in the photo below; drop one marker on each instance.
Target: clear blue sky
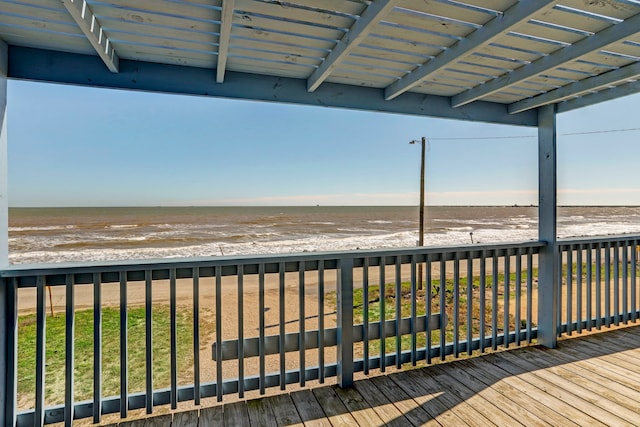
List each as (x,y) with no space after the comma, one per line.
(73,146)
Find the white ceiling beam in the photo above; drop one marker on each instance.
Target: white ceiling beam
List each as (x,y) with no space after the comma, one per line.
(519,13)
(372,15)
(225,36)
(562,56)
(86,20)
(598,97)
(591,84)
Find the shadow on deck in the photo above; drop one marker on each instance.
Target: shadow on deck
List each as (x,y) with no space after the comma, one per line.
(588,380)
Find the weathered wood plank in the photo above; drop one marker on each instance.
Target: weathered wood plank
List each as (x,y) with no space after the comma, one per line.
(386,410)
(449,10)
(310,411)
(185,419)
(411,409)
(235,414)
(581,399)
(358,406)
(449,401)
(281,11)
(545,393)
(331,404)
(211,417)
(260,413)
(285,411)
(587,380)
(447,377)
(428,398)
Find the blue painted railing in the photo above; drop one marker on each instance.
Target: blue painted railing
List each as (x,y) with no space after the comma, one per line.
(250,323)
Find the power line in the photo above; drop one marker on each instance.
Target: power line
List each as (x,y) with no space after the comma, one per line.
(533,136)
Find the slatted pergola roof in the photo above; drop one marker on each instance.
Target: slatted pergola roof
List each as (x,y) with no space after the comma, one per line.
(486,60)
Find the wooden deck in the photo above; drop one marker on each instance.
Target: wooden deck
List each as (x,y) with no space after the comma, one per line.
(587,381)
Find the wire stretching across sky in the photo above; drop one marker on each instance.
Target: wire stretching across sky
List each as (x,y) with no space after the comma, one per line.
(531,136)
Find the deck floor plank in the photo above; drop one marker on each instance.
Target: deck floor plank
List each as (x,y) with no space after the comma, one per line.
(211,417)
(450,401)
(609,390)
(386,410)
(468,391)
(260,413)
(333,407)
(235,414)
(285,411)
(185,419)
(581,399)
(428,397)
(411,409)
(310,411)
(589,380)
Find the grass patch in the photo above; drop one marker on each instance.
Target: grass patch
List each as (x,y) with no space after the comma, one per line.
(84,359)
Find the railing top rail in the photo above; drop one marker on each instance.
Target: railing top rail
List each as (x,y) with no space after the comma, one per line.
(21,270)
(594,240)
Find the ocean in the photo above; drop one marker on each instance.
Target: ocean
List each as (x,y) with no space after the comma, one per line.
(50,235)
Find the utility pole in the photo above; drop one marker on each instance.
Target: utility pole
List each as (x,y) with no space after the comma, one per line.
(421,231)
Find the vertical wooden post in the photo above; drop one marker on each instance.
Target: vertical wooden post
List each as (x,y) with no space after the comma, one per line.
(8,312)
(345,323)
(548,286)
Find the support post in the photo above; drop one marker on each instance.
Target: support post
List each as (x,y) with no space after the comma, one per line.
(8,312)
(345,323)
(548,286)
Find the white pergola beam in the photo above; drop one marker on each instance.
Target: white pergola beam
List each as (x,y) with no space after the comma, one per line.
(519,13)
(602,96)
(562,56)
(225,36)
(372,15)
(86,20)
(593,84)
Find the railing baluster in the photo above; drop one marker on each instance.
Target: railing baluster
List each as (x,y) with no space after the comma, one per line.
(69,353)
(483,298)
(443,303)
(383,317)
(173,326)
(301,313)
(219,390)
(240,331)
(148,314)
(494,301)
(124,349)
(589,267)
(427,297)
(569,289)
(281,316)
(196,335)
(413,311)
(607,285)
(579,289)
(398,312)
(529,294)
(634,266)
(456,305)
(469,302)
(625,284)
(365,314)
(261,328)
(598,286)
(10,356)
(507,297)
(518,284)
(321,319)
(616,283)
(97,348)
(41,318)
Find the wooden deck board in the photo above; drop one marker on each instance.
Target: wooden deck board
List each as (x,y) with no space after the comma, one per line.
(590,380)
